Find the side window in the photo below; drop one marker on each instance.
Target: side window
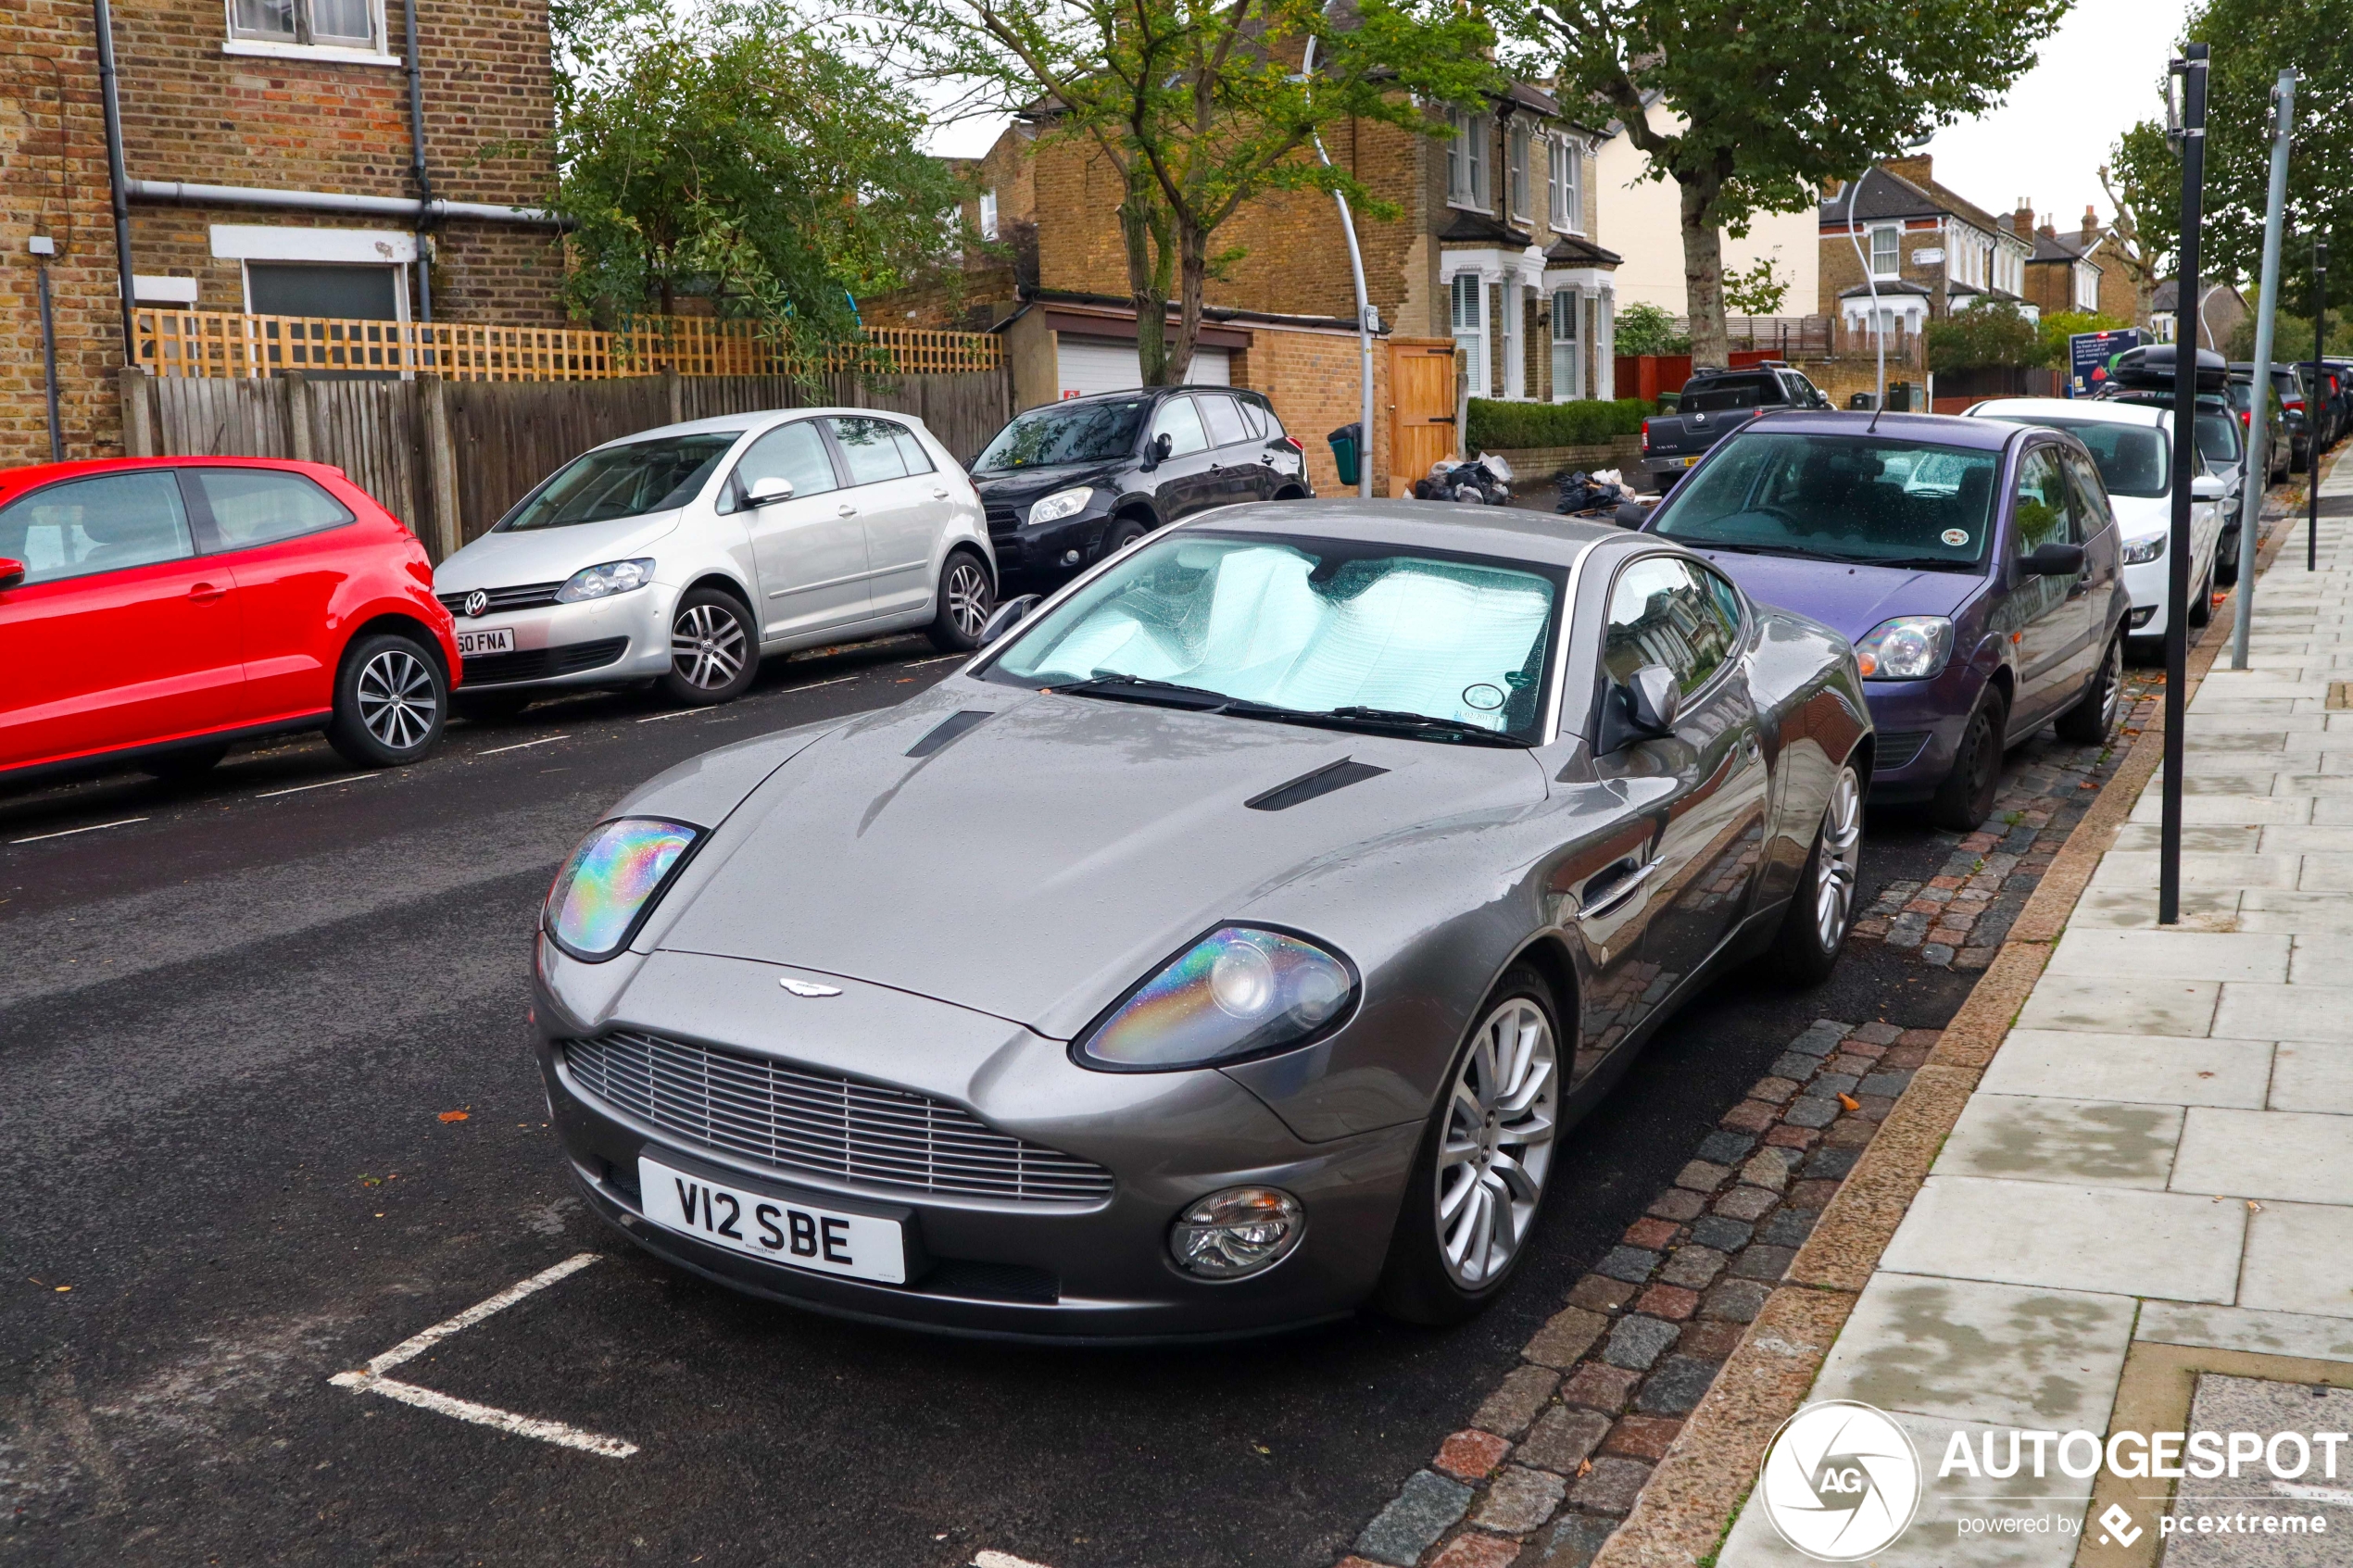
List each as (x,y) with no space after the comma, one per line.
(1254,415)
(1180,422)
(1264,411)
(2042,508)
(869,449)
(795,453)
(1225,427)
(2091,507)
(910,449)
(253,507)
(104,523)
(1806,394)
(1659,614)
(1727,602)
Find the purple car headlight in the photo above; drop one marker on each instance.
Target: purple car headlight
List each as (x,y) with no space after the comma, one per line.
(1240,991)
(603,892)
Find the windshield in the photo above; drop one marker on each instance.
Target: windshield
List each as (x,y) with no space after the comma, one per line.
(2134,459)
(1843,498)
(1309,626)
(643,476)
(1086,433)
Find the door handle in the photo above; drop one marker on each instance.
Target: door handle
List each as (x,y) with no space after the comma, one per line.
(205,593)
(1618,892)
(940,495)
(849,510)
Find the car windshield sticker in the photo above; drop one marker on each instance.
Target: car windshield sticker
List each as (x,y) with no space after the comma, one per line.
(1484,697)
(1955,537)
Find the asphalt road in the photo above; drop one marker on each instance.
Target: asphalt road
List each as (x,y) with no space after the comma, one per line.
(230,1030)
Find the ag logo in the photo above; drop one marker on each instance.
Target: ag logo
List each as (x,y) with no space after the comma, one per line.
(1840,1481)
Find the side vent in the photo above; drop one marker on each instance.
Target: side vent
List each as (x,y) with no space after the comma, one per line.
(1307,787)
(947,729)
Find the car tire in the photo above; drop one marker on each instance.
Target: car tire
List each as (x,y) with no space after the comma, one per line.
(1508,1075)
(2088,722)
(1123,532)
(2226,561)
(714,650)
(2201,606)
(967,600)
(186,764)
(490,707)
(391,702)
(1966,797)
(1821,912)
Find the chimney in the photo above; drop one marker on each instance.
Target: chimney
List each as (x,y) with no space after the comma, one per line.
(2022,222)
(2091,226)
(1917,166)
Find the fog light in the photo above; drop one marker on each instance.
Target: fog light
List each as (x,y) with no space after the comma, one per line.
(2141,616)
(1237,1232)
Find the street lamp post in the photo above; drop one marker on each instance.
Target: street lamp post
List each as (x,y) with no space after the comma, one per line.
(2313,405)
(2191,70)
(1870,281)
(2259,393)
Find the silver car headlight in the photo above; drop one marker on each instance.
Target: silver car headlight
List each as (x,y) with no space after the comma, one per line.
(1909,647)
(604,582)
(608,886)
(2140,552)
(1062,504)
(1241,991)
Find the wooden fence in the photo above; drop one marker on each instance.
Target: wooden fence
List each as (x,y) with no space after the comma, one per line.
(226,344)
(450,457)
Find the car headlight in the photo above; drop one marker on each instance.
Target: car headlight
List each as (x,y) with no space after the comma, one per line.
(604,582)
(2140,552)
(1909,647)
(1062,504)
(1240,991)
(605,890)
(1237,1232)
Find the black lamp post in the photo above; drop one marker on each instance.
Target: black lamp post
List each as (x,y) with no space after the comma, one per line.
(2191,70)
(2313,404)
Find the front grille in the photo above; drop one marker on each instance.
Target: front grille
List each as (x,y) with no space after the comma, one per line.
(793,1119)
(530,595)
(1003,519)
(1898,749)
(540,664)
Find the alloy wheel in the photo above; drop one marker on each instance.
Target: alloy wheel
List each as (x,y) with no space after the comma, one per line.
(1497,1142)
(398,703)
(2112,698)
(707,647)
(1840,864)
(967,597)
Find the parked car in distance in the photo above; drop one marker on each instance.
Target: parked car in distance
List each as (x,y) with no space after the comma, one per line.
(1712,405)
(1070,483)
(155,611)
(1973,565)
(2279,447)
(683,555)
(1347,903)
(2144,378)
(2133,446)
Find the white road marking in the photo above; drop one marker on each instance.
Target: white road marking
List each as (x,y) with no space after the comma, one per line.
(673,713)
(1002,1560)
(523,745)
(944,658)
(835,682)
(69,833)
(371,1380)
(323,784)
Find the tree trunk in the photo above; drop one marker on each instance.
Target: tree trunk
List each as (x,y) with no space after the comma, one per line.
(1703,271)
(1143,228)
(1192,277)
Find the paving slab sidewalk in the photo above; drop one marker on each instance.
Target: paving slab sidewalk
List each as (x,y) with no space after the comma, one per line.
(2160,1148)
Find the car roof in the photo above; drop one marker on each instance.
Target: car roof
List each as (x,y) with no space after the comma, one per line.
(17,479)
(756,418)
(1949,429)
(1509,533)
(2102,410)
(1140,392)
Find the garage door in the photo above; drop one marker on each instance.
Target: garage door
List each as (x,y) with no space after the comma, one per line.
(1092,365)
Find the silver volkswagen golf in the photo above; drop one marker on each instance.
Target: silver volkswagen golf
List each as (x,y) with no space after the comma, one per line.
(684,554)
(1225,947)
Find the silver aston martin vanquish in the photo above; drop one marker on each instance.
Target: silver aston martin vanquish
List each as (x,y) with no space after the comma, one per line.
(1225,947)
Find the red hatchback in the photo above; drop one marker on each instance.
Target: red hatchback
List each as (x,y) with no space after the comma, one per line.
(153,610)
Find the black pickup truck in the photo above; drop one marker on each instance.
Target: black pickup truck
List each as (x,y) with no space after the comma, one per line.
(1714,404)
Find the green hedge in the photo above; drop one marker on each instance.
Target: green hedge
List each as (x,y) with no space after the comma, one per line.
(1500,426)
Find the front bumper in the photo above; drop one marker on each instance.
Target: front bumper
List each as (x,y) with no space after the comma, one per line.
(2145,585)
(1045,549)
(1058,1269)
(1917,729)
(599,642)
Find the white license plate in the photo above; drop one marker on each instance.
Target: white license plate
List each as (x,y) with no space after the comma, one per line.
(799,1234)
(495,639)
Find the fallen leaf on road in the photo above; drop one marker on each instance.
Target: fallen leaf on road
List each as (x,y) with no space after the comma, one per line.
(1850,1102)
(453,1115)
(63,1288)
(1584,1468)
(2253,1207)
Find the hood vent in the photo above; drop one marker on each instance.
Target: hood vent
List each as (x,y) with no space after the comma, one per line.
(1307,787)
(947,729)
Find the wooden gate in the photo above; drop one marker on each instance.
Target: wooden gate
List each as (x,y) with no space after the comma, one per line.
(1422,430)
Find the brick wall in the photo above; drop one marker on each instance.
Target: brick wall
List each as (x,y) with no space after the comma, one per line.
(1840,269)
(1313,378)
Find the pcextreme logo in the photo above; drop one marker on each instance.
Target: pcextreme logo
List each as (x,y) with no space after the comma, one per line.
(1840,1482)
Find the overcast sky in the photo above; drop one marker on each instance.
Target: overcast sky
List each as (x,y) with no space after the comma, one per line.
(2096,75)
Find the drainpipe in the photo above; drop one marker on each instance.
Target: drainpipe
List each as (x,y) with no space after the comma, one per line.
(417,165)
(1364,317)
(116,178)
(42,247)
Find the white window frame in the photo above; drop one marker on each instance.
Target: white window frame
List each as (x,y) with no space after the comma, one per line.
(1470,326)
(1467,171)
(1568,186)
(2087,286)
(1894,237)
(1516,172)
(989,215)
(1515,314)
(1568,310)
(374,51)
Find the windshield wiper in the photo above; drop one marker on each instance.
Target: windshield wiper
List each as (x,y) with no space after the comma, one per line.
(1199,699)
(1426,723)
(1143,688)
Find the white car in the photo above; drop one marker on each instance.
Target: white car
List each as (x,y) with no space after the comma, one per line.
(686,553)
(2133,446)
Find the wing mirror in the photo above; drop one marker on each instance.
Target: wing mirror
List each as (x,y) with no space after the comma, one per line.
(1652,698)
(1159,448)
(769,487)
(2053,561)
(2208,487)
(1010,614)
(11,572)
(1632,514)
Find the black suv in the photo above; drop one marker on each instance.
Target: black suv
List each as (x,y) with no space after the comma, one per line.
(1068,483)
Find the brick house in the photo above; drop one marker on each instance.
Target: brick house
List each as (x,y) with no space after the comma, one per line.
(268,154)
(2077,269)
(1929,250)
(2220,314)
